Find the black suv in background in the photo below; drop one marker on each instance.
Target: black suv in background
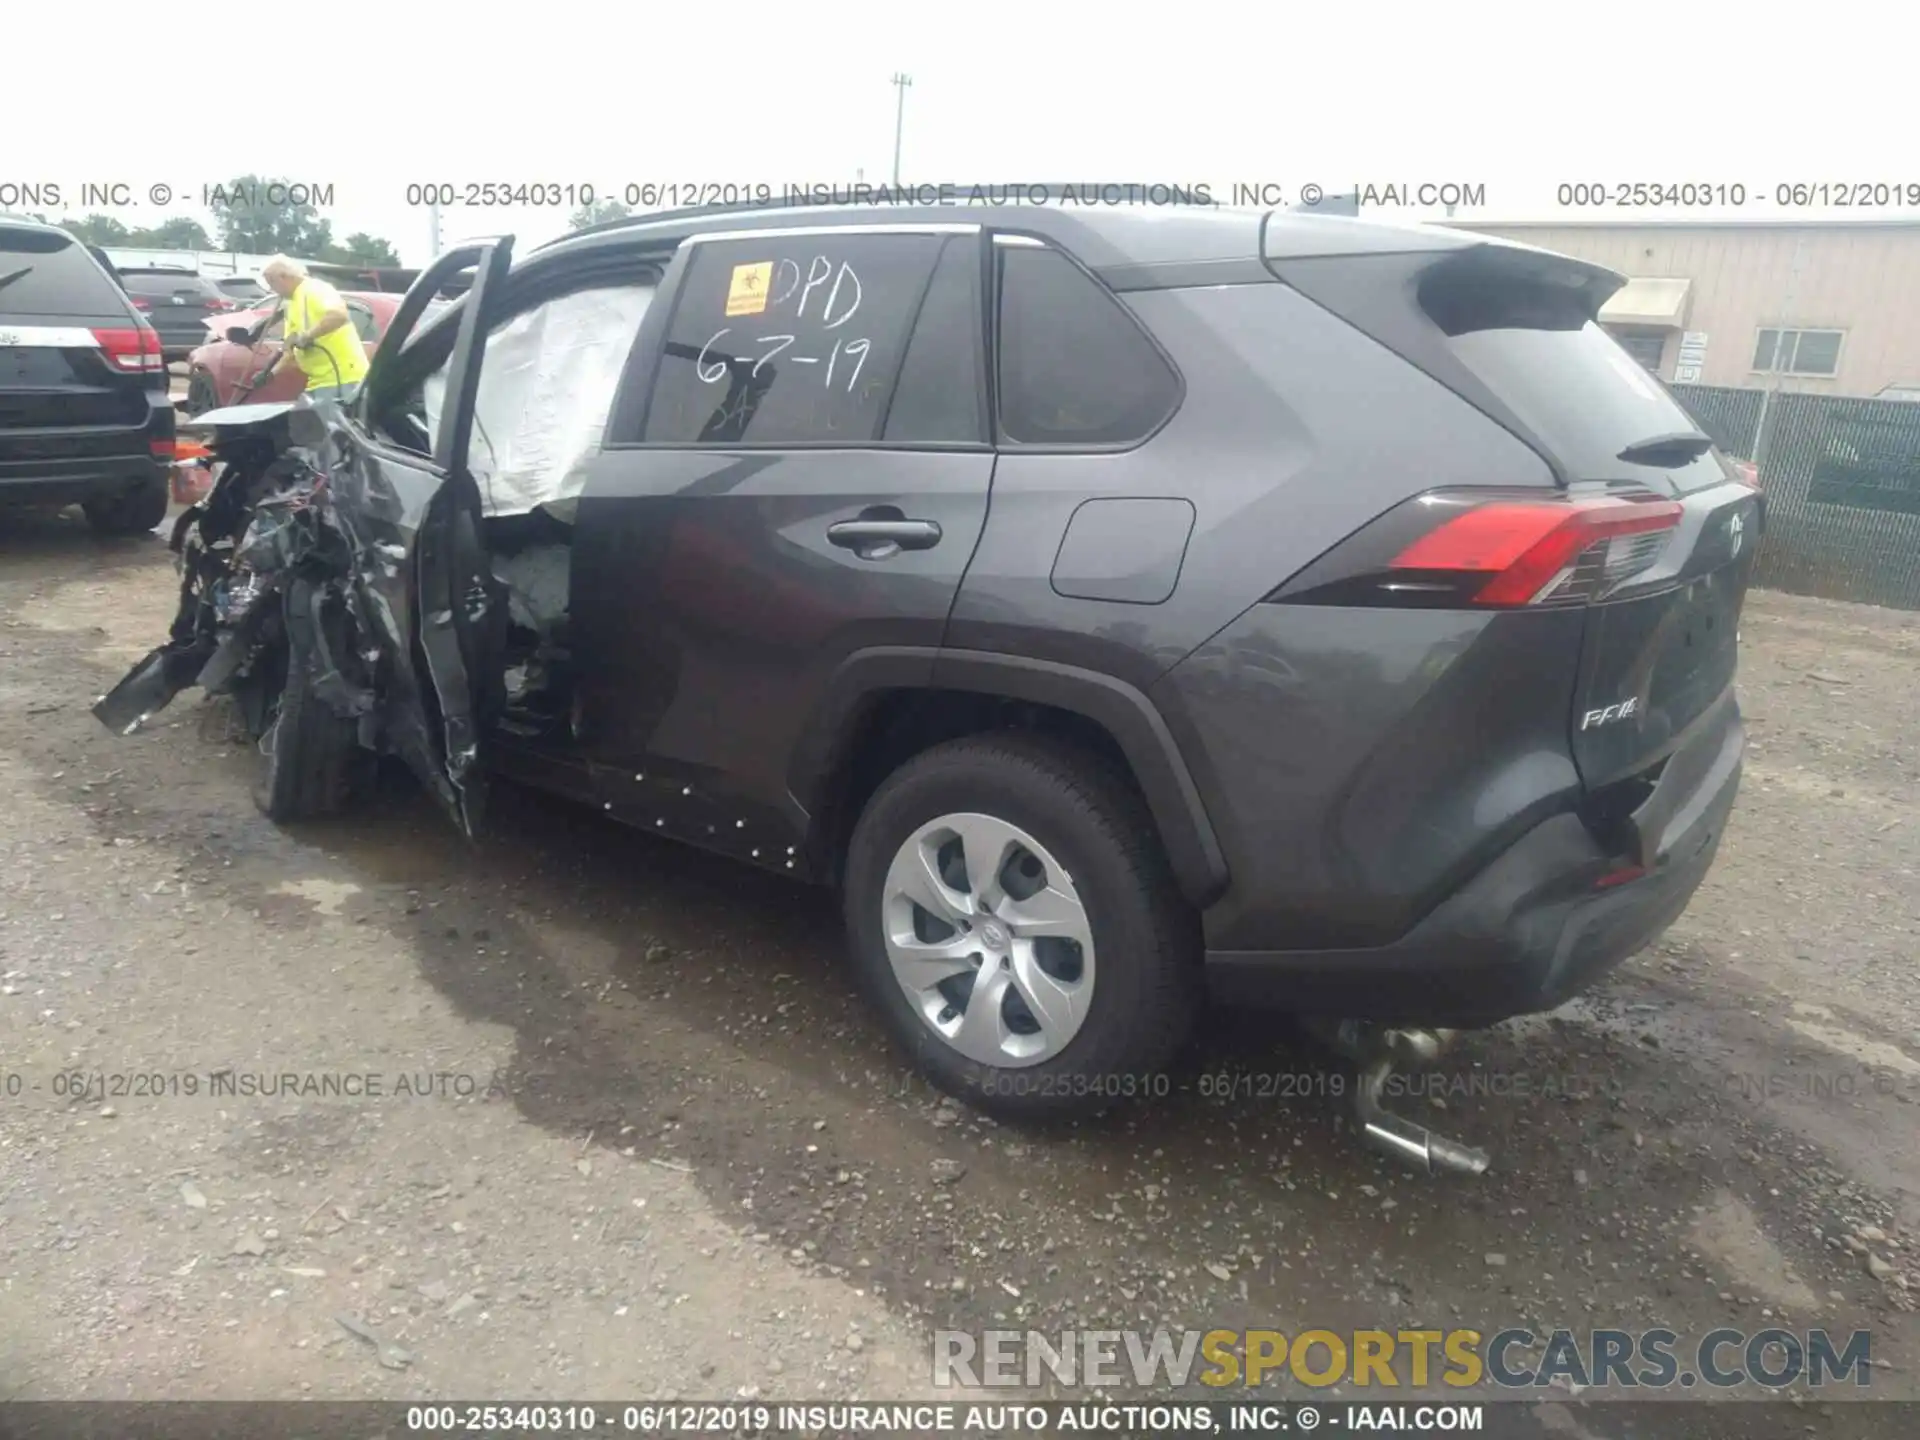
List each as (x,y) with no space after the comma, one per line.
(1114,604)
(84,413)
(178,303)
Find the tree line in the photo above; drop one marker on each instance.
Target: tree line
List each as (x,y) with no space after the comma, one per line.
(288,228)
(251,227)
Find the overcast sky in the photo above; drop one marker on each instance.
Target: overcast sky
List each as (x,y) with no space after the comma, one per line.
(1518,98)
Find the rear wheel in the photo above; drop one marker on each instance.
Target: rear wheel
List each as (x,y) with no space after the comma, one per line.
(200,393)
(1012,914)
(130,512)
(311,758)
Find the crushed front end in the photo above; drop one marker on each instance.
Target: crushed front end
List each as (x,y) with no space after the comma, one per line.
(263,559)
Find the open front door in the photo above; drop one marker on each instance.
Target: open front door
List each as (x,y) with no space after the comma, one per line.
(409,497)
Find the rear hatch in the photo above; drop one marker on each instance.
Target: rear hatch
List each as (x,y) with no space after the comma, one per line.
(73,357)
(1659,647)
(178,302)
(1663,552)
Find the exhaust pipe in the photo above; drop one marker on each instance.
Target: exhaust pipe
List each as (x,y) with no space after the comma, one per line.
(1401,1137)
(1378,1052)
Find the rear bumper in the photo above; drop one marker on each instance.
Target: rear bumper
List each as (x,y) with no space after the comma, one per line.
(67,482)
(64,467)
(1530,931)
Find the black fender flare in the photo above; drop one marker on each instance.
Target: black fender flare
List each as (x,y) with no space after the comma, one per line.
(1126,713)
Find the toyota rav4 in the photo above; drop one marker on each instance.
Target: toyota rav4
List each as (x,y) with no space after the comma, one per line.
(1117,606)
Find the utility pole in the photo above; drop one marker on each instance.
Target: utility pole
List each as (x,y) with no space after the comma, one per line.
(901,82)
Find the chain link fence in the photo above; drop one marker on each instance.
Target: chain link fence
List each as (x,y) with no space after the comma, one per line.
(1842,481)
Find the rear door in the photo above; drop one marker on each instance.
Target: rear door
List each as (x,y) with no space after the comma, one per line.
(797,470)
(76,367)
(404,489)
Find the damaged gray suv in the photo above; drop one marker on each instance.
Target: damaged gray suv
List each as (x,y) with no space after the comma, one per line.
(1116,605)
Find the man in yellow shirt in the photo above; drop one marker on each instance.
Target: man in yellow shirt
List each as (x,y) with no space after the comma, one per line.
(320,338)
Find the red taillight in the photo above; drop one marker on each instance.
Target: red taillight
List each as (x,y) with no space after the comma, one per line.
(133,348)
(163,449)
(219,302)
(1534,551)
(1746,472)
(1621,876)
(140,304)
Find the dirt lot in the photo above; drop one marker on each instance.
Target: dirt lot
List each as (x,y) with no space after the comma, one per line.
(662,1150)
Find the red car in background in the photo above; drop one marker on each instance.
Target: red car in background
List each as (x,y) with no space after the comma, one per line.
(218,372)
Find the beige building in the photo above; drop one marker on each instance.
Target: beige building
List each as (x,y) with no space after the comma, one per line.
(1829,308)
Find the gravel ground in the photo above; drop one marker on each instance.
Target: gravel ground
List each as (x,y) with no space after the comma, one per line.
(636,1135)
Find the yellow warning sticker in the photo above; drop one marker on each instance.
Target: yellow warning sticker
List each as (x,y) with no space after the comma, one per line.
(747,293)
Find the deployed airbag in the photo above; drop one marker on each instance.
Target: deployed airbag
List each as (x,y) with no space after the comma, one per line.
(546,386)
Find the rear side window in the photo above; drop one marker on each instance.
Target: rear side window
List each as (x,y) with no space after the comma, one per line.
(1528,335)
(46,273)
(792,340)
(1075,367)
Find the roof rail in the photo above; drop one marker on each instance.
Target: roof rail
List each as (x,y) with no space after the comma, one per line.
(1348,204)
(841,197)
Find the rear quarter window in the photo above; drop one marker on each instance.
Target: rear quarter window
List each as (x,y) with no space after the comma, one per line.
(46,273)
(1074,368)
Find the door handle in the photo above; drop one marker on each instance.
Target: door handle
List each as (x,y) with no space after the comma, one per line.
(878,539)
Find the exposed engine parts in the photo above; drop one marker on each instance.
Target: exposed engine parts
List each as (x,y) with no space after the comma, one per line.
(266,522)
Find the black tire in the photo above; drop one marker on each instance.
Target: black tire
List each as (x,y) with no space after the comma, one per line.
(131,512)
(1148,984)
(200,393)
(311,760)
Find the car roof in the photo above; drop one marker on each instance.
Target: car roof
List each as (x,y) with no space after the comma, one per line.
(1104,236)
